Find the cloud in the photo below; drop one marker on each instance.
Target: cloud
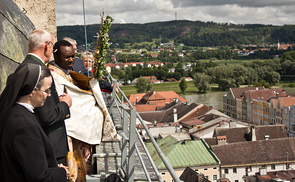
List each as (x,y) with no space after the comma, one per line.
(242,3)
(144,11)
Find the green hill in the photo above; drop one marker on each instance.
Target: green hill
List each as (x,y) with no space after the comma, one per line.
(191,33)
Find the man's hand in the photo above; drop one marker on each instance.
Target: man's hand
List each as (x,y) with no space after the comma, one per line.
(65,97)
(117,90)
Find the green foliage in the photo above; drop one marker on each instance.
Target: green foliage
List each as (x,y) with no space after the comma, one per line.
(202,82)
(183,85)
(191,33)
(289,85)
(177,75)
(102,48)
(290,55)
(273,77)
(142,85)
(263,83)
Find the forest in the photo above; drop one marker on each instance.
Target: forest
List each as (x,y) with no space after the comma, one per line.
(191,33)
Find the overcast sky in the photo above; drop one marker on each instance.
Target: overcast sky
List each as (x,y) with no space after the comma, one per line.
(275,12)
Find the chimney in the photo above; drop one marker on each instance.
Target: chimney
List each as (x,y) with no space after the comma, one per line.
(232,124)
(262,171)
(266,137)
(253,133)
(174,115)
(221,140)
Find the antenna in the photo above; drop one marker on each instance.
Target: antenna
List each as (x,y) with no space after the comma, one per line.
(175,16)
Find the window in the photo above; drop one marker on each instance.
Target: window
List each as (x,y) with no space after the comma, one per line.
(196,169)
(234,170)
(172,180)
(236,180)
(163,174)
(273,166)
(164,180)
(226,171)
(214,168)
(215,177)
(207,177)
(205,169)
(263,166)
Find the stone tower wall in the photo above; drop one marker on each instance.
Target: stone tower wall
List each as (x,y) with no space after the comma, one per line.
(41,13)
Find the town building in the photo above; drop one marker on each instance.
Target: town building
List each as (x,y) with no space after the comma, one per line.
(153,100)
(229,100)
(292,121)
(247,158)
(273,176)
(193,176)
(195,154)
(258,104)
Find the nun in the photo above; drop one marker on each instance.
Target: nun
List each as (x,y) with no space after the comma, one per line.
(26,153)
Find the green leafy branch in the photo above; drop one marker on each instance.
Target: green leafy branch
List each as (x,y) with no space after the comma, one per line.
(102,46)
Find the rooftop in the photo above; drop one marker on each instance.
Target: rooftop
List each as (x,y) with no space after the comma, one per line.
(182,154)
(256,152)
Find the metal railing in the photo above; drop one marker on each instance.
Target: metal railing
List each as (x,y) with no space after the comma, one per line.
(128,113)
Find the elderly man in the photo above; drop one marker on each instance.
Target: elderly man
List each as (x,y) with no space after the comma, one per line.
(83,128)
(56,108)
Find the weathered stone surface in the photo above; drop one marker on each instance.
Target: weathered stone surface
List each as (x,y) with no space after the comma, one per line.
(15,28)
(41,12)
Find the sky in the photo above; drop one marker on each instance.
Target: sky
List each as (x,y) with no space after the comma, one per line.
(275,12)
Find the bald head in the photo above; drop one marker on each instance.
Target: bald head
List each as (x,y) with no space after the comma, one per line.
(37,38)
(41,43)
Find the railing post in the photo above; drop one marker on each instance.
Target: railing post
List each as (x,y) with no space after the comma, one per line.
(132,149)
(113,96)
(124,142)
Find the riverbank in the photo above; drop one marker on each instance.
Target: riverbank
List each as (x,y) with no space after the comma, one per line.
(191,88)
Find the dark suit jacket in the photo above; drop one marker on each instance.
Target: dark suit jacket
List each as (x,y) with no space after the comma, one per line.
(51,116)
(26,152)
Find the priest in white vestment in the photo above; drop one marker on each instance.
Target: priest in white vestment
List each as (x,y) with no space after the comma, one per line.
(90,122)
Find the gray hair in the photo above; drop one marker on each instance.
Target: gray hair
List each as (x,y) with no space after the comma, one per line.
(37,38)
(84,55)
(72,41)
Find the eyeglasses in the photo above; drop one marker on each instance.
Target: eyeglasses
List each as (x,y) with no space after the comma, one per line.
(47,91)
(49,42)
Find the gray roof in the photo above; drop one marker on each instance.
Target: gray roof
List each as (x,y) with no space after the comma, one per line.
(254,152)
(242,134)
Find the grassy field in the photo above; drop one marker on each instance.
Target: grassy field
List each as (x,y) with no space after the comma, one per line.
(167,86)
(191,88)
(232,61)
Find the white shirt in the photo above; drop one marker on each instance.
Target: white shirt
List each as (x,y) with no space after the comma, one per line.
(36,57)
(28,106)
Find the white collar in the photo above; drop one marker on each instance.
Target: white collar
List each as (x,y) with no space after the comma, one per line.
(36,57)
(28,106)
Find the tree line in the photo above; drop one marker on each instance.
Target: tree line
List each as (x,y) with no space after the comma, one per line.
(192,33)
(266,72)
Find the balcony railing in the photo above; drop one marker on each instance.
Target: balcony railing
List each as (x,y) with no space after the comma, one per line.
(131,151)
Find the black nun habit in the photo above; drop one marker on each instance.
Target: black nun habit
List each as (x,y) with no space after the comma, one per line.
(26,153)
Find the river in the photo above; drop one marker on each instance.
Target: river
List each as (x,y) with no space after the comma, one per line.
(210,99)
(215,99)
